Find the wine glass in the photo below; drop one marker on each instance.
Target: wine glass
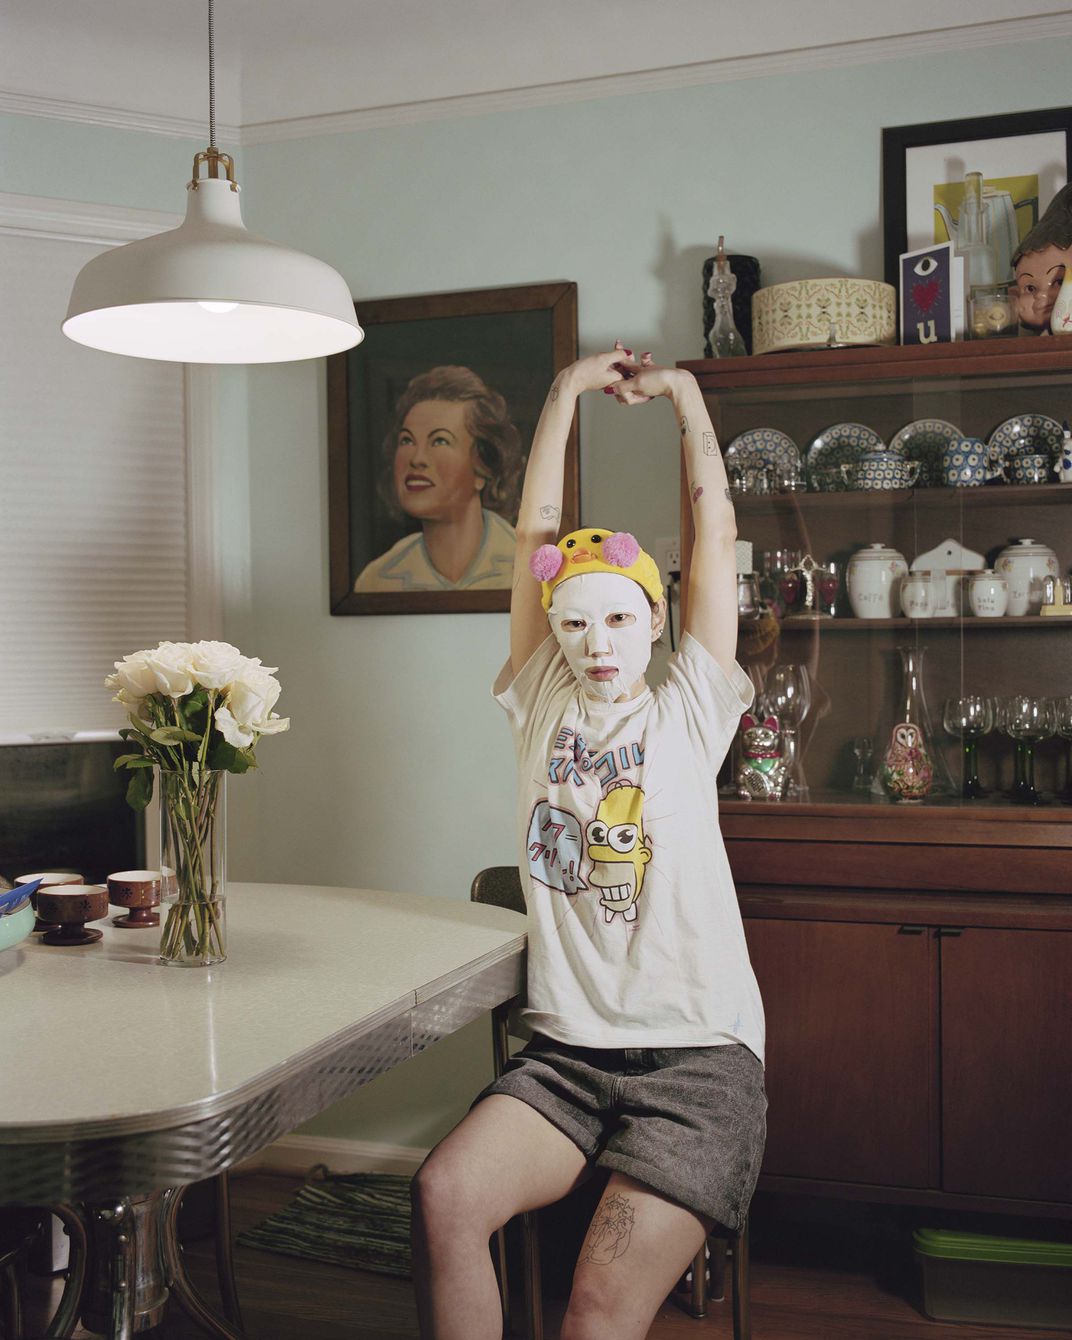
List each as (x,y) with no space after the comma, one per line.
(1028,720)
(1062,711)
(968,719)
(787,696)
(863,749)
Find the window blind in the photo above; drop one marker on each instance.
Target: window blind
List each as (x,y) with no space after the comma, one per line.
(93,502)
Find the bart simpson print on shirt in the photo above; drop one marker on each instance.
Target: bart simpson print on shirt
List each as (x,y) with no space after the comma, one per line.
(618,850)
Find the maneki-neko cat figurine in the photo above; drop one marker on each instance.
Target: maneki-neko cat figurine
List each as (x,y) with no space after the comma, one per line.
(907,769)
(762,770)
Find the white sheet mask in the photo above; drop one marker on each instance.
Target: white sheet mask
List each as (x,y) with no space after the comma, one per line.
(592,601)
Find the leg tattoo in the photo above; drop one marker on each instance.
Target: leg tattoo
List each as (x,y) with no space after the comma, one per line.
(608,1236)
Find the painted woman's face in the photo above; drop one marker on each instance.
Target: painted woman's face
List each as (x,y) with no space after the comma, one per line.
(434,475)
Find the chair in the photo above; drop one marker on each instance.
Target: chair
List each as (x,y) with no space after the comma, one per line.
(500,885)
(17,1233)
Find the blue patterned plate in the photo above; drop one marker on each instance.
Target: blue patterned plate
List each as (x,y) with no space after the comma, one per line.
(760,447)
(1028,434)
(925,440)
(840,444)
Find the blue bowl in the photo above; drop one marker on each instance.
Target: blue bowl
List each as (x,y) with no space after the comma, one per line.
(16,926)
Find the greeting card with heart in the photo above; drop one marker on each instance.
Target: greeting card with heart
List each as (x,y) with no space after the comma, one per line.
(932,295)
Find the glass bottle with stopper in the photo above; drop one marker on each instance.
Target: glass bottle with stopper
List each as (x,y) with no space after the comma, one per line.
(990,310)
(724,337)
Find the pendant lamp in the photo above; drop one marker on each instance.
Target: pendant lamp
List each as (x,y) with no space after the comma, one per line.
(209,291)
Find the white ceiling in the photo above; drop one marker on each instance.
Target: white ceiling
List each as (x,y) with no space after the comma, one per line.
(283,59)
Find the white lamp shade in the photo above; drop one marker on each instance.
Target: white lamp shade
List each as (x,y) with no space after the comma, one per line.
(211,292)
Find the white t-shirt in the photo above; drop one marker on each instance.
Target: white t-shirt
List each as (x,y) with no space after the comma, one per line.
(635,935)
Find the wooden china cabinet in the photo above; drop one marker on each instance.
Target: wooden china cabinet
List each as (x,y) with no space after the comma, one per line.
(915,959)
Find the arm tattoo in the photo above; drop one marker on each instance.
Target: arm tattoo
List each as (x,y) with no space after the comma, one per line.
(554,389)
(710,444)
(684,425)
(608,1236)
(697,493)
(729,495)
(549,513)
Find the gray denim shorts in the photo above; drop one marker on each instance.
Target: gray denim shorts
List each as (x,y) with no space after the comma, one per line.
(690,1122)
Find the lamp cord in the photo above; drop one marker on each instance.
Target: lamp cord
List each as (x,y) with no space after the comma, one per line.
(211,74)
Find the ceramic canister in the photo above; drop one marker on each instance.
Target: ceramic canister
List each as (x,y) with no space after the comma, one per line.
(874,577)
(988,594)
(916,595)
(1025,565)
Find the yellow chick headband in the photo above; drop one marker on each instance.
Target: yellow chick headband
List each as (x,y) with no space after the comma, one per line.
(595,550)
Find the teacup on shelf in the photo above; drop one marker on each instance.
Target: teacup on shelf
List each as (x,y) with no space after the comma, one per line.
(70,906)
(47,879)
(139,892)
(1033,469)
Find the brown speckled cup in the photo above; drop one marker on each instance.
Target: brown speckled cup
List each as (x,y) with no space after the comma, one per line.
(49,879)
(71,906)
(138,890)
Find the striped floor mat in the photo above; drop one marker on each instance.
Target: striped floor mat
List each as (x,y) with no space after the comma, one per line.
(361,1221)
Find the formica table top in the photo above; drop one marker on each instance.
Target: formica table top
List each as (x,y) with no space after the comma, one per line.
(104,1040)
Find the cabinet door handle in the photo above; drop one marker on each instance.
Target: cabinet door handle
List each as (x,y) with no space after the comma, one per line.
(910,930)
(948,932)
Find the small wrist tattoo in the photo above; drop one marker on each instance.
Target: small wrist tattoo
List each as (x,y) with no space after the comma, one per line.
(729,495)
(553,394)
(697,493)
(710,444)
(549,513)
(684,425)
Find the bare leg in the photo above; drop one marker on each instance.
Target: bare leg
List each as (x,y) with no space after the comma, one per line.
(637,1247)
(502,1159)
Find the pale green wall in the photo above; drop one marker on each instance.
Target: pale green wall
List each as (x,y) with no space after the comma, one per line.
(398,770)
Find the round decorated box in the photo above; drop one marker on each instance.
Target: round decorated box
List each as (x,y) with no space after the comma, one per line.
(817,313)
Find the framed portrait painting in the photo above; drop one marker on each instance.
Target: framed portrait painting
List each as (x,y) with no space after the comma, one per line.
(430,422)
(1025,159)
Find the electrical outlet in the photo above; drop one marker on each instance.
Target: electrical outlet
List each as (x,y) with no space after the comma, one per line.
(668,555)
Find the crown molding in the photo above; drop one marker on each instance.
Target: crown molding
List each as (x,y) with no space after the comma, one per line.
(79,221)
(802,60)
(115,118)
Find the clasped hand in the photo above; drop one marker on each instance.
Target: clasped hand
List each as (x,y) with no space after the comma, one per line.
(618,373)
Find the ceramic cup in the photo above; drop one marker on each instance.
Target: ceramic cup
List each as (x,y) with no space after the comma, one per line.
(880,470)
(71,906)
(965,463)
(139,891)
(49,879)
(917,601)
(873,578)
(1028,469)
(988,594)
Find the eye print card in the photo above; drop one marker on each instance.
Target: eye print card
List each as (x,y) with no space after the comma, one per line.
(932,295)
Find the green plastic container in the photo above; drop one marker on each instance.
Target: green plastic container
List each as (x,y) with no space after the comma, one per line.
(998,1281)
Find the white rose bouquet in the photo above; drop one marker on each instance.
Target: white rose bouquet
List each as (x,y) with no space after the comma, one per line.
(196,711)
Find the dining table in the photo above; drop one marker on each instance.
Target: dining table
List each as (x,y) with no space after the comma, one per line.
(125,1080)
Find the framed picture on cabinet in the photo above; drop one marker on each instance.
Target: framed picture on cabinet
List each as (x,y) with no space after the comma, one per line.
(430,422)
(1025,159)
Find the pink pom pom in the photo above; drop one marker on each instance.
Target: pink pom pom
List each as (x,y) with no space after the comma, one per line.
(546,562)
(621,549)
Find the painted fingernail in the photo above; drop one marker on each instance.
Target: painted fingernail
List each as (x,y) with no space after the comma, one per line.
(629,352)
(608,390)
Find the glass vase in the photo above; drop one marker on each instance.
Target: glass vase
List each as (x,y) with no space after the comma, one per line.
(912,765)
(193,866)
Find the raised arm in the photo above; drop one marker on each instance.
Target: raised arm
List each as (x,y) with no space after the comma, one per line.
(711,614)
(540,514)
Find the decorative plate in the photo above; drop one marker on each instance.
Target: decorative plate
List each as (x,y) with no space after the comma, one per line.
(839,444)
(925,440)
(1028,434)
(762,447)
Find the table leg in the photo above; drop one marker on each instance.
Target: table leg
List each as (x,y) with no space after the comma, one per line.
(224,1254)
(111,1302)
(189,1299)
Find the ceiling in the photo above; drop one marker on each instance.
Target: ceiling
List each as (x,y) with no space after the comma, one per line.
(277,60)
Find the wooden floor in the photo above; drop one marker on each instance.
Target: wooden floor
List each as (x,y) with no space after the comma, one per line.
(849,1280)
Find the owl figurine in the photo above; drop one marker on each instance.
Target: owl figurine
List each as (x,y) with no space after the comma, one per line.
(761,773)
(907,769)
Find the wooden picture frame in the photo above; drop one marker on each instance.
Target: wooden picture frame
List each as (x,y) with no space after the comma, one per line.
(510,342)
(917,158)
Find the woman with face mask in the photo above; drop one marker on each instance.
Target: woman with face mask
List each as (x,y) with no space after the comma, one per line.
(646,1058)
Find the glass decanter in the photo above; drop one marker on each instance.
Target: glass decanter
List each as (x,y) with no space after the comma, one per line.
(787,696)
(911,766)
(724,337)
